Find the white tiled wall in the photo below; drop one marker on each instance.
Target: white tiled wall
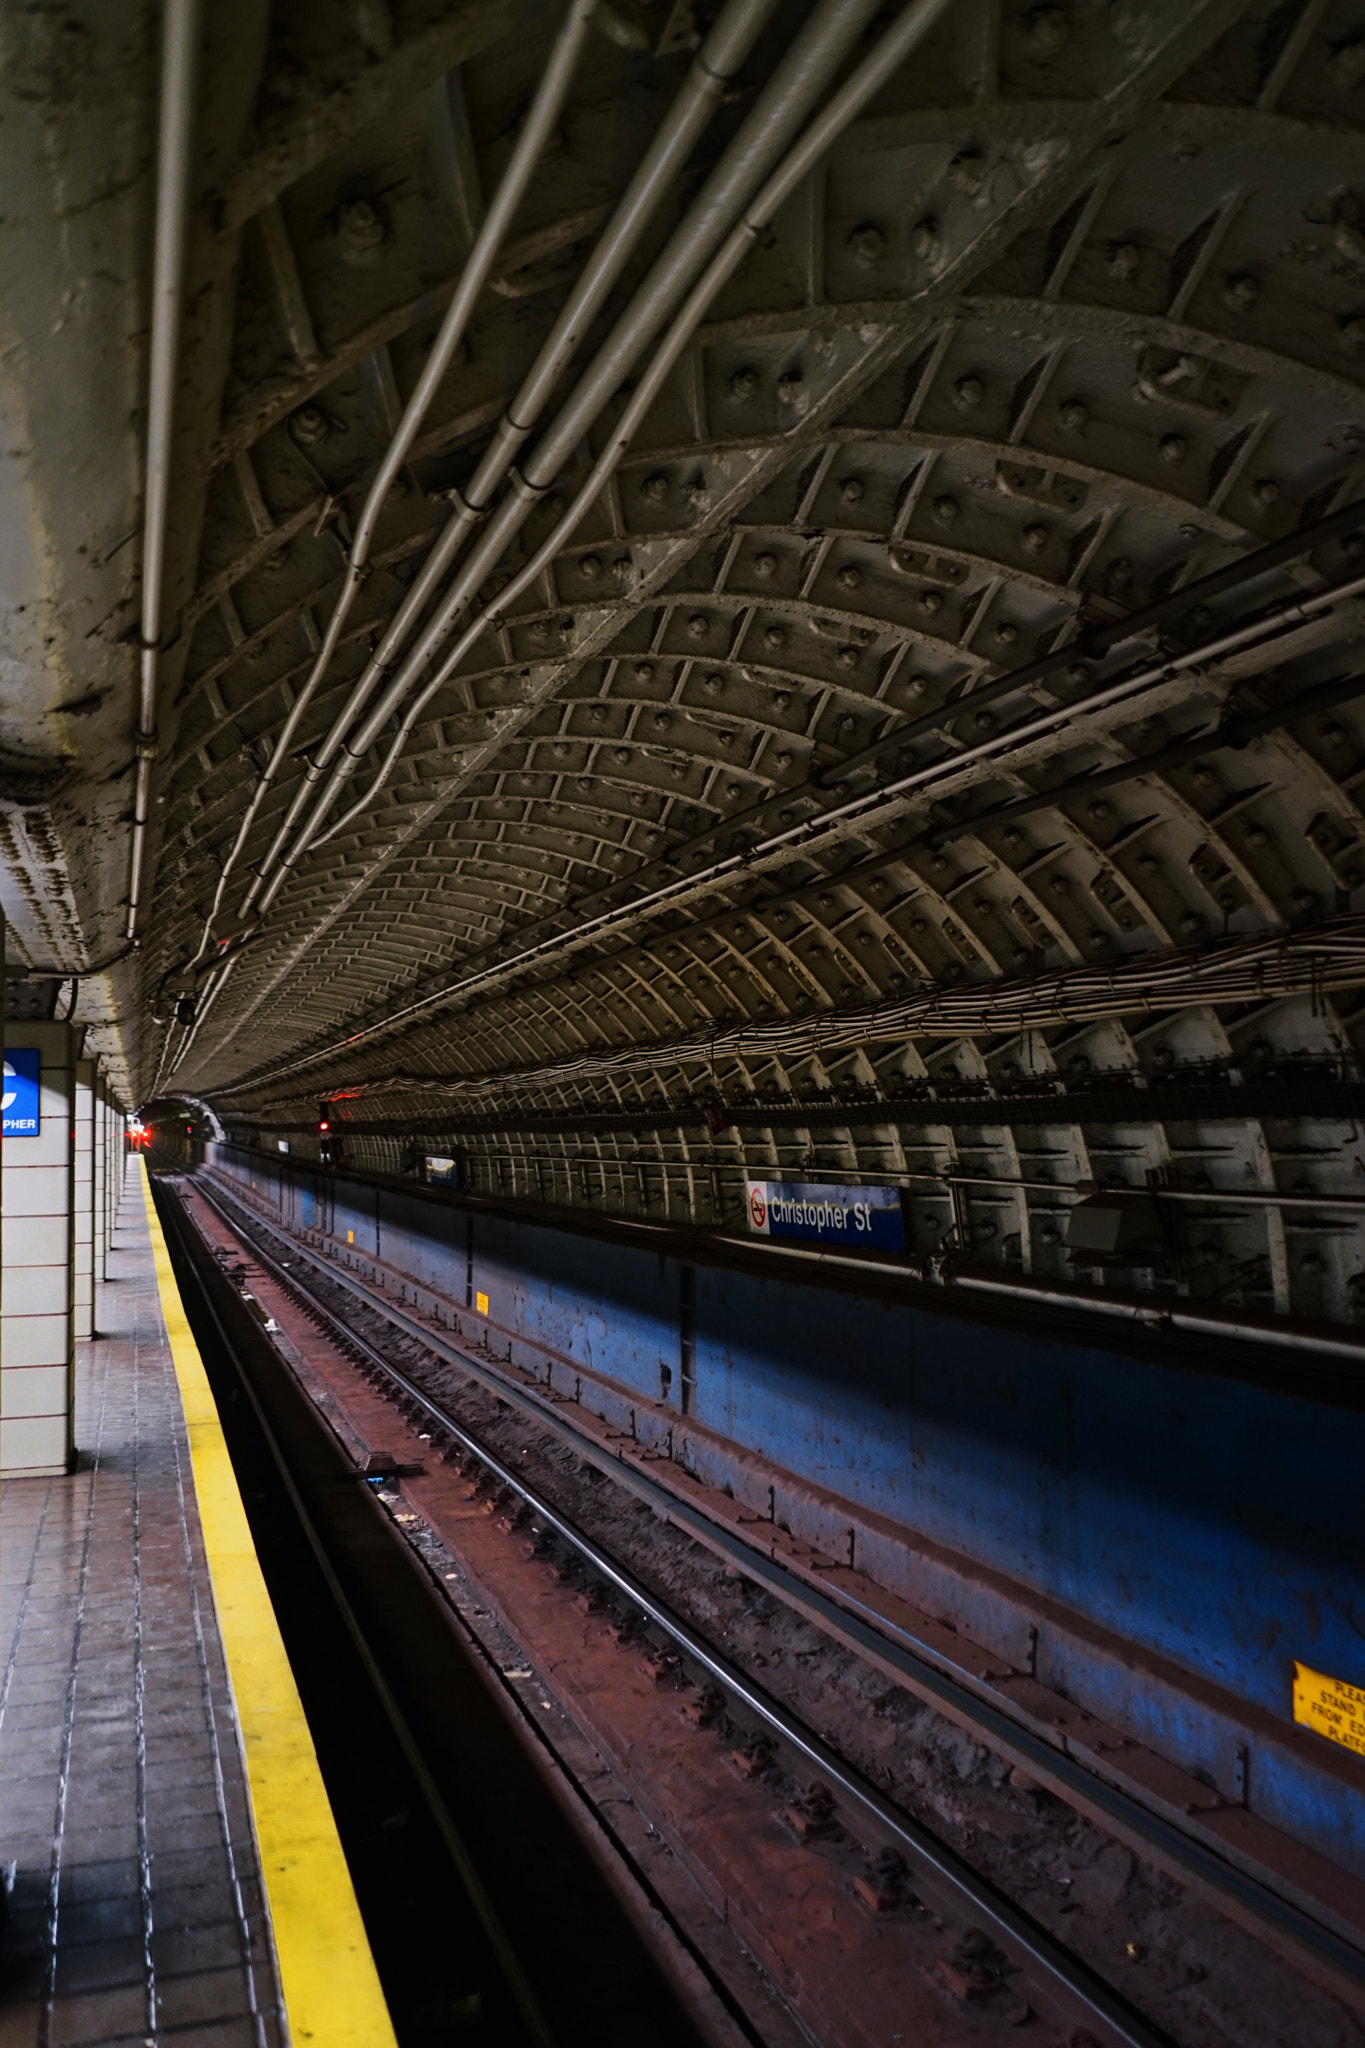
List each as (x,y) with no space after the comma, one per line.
(37,1287)
(85,1200)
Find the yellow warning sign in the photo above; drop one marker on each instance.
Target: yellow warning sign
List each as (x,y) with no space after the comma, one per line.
(481,1304)
(1330,1707)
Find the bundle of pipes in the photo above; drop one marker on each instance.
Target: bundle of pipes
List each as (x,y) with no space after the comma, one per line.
(757,171)
(869,810)
(1330,956)
(755,174)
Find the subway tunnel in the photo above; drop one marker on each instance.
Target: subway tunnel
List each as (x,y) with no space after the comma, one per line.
(682,760)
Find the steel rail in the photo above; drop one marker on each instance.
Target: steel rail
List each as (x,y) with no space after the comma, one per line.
(1063,1973)
(461,1859)
(923,1666)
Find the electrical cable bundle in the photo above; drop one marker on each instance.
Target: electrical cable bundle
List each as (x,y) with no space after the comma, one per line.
(1266,966)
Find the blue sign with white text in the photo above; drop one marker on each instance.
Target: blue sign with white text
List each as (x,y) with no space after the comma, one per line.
(19,1104)
(859,1219)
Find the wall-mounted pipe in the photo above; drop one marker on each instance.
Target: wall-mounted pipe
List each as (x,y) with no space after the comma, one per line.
(1255,1198)
(812,59)
(1235,731)
(1102,640)
(818,138)
(544,111)
(179,76)
(727,44)
(864,807)
(1151,1312)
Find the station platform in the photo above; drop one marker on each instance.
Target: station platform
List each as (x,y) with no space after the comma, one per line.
(175,1873)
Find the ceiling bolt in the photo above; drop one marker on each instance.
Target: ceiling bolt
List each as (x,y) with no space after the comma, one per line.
(310,426)
(866,244)
(360,231)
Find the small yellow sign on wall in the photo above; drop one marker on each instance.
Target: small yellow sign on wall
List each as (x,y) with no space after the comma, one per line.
(481,1304)
(1330,1707)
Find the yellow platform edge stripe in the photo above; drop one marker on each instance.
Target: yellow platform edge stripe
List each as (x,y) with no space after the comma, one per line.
(330,1986)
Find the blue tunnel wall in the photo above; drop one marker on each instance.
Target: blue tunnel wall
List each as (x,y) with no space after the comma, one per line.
(1205,1520)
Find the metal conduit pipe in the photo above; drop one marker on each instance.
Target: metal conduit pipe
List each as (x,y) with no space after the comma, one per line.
(545,110)
(179,75)
(865,82)
(729,42)
(1281,618)
(216,983)
(858,807)
(1020,678)
(716,63)
(1256,1198)
(1316,959)
(1236,731)
(1153,1312)
(1295,612)
(1298,611)
(1094,645)
(815,54)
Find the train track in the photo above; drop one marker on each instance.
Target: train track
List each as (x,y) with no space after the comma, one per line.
(452,1942)
(1054,1981)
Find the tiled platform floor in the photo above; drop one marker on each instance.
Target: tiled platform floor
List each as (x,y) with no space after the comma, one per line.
(136,1912)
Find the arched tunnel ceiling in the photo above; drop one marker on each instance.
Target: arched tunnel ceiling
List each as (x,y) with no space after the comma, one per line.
(1070,317)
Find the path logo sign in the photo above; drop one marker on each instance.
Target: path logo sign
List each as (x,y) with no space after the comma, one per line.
(19,1109)
(859,1219)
